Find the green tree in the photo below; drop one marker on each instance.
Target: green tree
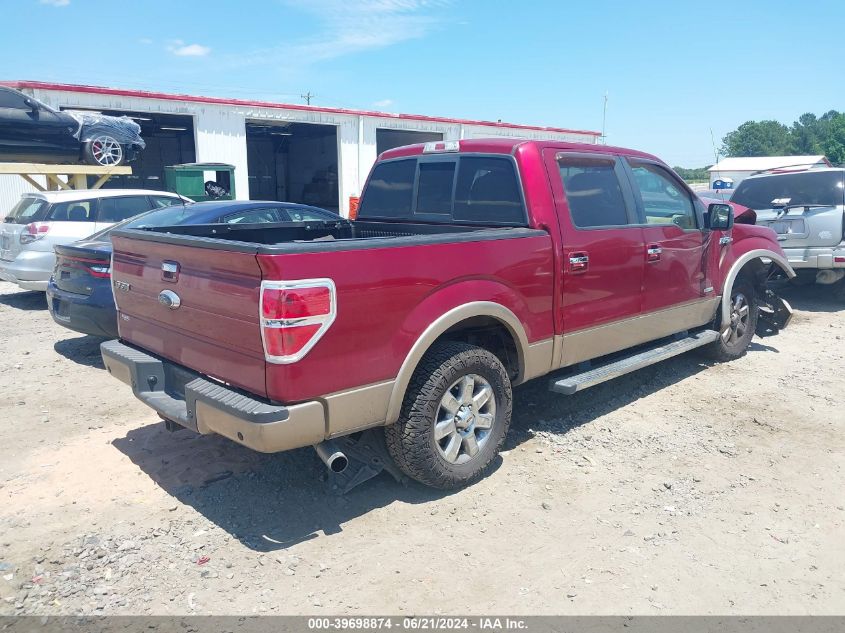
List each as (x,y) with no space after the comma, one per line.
(833,143)
(758,138)
(693,175)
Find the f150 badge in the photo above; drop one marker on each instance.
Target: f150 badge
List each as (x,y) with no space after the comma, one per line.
(122,285)
(169,298)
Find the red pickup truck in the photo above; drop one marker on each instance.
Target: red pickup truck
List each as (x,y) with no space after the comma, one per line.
(472,266)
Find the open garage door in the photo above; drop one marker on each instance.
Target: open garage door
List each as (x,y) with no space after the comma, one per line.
(170,141)
(388,139)
(293,162)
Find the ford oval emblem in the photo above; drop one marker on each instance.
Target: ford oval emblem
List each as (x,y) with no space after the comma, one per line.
(170,299)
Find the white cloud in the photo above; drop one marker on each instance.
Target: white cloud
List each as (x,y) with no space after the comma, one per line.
(145,40)
(384,103)
(55,3)
(178,47)
(347,27)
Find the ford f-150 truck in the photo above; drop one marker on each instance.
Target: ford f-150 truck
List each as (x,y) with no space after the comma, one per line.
(472,266)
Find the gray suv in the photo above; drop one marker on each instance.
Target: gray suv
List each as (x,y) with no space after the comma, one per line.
(807,211)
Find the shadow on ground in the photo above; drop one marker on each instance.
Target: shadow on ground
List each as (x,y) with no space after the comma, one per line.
(25,300)
(811,298)
(270,502)
(84,350)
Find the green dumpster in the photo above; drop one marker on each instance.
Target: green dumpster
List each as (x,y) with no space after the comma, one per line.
(201,181)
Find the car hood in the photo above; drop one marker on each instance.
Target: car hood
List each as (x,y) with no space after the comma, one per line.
(122,128)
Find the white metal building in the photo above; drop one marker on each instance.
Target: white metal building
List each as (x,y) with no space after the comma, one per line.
(733,171)
(297,153)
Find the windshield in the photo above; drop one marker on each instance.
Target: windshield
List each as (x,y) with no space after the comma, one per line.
(27,210)
(808,187)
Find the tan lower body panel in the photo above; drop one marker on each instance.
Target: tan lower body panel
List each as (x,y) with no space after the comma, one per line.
(357,409)
(305,426)
(613,337)
(538,359)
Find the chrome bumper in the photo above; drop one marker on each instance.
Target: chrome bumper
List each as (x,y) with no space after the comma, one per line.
(197,403)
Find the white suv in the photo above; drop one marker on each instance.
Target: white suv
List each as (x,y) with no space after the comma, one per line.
(42,220)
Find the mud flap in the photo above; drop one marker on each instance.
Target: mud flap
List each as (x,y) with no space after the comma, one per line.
(368,456)
(774,315)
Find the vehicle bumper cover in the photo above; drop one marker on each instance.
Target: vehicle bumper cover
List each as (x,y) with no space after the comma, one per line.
(204,406)
(87,314)
(817,257)
(31,270)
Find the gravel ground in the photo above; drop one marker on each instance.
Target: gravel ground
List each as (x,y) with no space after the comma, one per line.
(685,488)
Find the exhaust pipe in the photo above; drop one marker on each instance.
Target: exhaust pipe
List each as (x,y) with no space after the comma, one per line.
(334,458)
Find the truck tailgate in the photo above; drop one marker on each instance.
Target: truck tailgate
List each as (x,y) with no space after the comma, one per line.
(214,329)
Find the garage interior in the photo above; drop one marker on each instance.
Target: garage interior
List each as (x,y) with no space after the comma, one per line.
(388,139)
(170,141)
(293,162)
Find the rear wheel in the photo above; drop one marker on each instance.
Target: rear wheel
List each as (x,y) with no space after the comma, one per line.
(454,417)
(104,150)
(839,290)
(736,334)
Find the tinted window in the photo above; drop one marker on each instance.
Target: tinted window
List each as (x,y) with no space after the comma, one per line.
(821,187)
(164,201)
(168,216)
(593,191)
(27,210)
(253,216)
(11,99)
(76,211)
(302,214)
(123,208)
(389,190)
(488,192)
(664,200)
(434,190)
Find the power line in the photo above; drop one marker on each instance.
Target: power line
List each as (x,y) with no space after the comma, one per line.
(307,96)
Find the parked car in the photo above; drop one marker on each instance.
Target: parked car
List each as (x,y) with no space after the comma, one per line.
(31,131)
(42,220)
(79,294)
(472,266)
(807,211)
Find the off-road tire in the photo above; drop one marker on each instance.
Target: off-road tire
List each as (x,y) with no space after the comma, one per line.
(722,350)
(839,291)
(410,440)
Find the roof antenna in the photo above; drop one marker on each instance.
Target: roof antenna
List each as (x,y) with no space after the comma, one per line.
(715,155)
(604,120)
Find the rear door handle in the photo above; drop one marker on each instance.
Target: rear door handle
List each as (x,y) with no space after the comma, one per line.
(578,262)
(653,253)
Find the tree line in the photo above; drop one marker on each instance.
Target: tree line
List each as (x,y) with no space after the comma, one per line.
(809,136)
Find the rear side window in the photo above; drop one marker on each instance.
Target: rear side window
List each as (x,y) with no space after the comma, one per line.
(254,216)
(160,202)
(123,208)
(820,187)
(488,191)
(27,210)
(12,99)
(593,191)
(390,190)
(76,211)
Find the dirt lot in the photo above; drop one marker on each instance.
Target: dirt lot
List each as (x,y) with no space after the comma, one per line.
(684,488)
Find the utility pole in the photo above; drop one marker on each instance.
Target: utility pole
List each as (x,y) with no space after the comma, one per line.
(307,96)
(604,121)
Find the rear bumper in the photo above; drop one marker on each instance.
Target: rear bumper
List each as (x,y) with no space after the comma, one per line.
(31,270)
(204,406)
(93,314)
(818,257)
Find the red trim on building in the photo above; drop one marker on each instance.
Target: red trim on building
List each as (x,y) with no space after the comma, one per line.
(145,94)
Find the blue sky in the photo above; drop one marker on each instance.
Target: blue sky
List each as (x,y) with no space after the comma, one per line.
(673,70)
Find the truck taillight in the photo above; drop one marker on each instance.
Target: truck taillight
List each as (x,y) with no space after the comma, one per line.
(34,231)
(294,315)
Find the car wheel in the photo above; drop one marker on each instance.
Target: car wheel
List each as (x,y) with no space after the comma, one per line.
(454,418)
(736,335)
(839,290)
(105,151)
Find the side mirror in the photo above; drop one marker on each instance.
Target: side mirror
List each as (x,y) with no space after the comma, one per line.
(720,217)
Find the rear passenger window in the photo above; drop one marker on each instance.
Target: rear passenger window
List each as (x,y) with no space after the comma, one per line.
(76,211)
(593,191)
(164,201)
(123,208)
(488,192)
(434,191)
(390,190)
